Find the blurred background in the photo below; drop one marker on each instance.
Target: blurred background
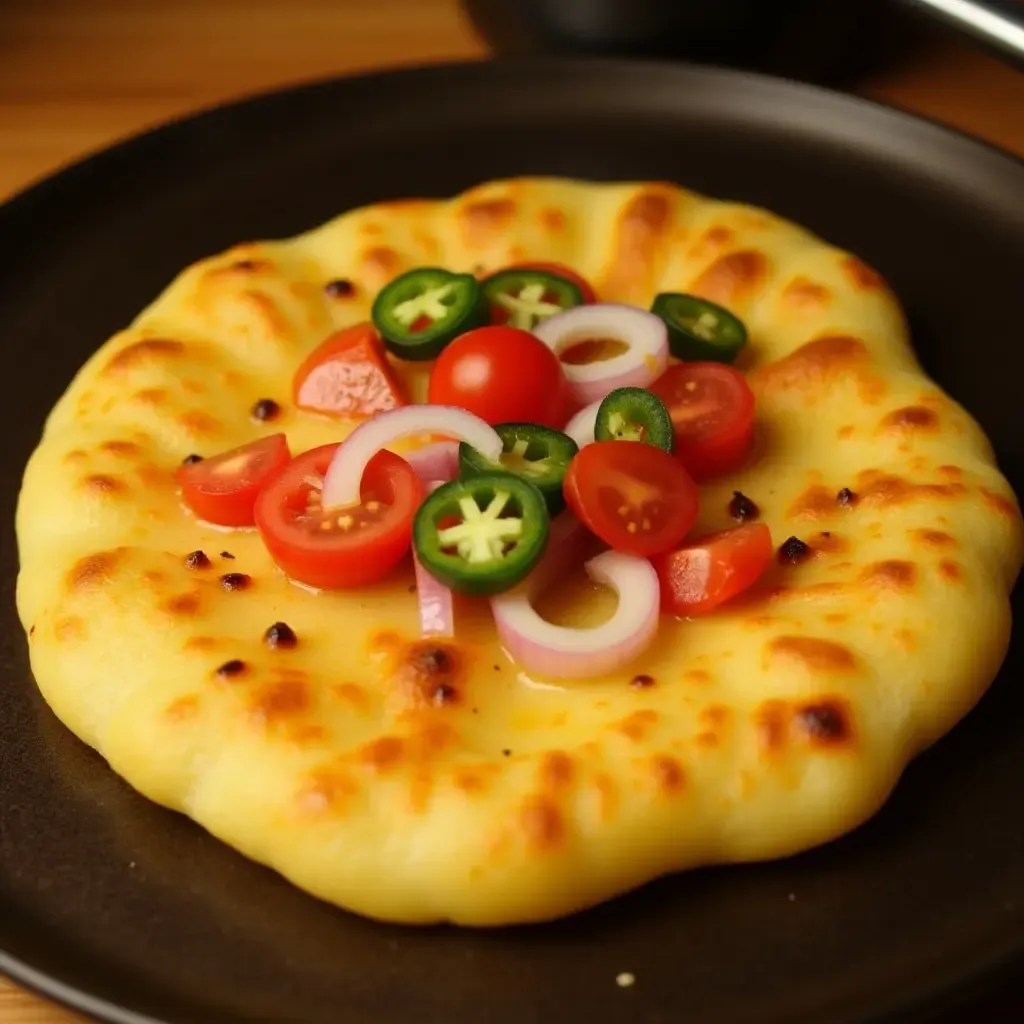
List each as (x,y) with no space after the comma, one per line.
(77,75)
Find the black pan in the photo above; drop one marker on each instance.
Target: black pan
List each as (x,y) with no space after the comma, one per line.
(827,41)
(120,908)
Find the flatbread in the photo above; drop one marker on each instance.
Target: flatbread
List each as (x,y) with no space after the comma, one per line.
(775,724)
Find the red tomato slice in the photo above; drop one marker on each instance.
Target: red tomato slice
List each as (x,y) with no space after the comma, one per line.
(635,497)
(223,489)
(703,575)
(348,375)
(348,547)
(712,409)
(503,375)
(562,271)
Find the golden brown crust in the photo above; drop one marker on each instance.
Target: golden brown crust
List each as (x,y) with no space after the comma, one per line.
(419,781)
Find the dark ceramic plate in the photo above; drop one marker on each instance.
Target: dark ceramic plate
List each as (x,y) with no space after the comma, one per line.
(120,908)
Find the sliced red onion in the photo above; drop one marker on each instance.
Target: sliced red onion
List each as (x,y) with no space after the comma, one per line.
(345,473)
(435,462)
(644,362)
(561,652)
(581,427)
(437,611)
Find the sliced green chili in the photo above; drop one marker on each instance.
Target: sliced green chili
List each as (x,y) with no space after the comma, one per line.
(698,330)
(537,453)
(421,311)
(634,414)
(523,296)
(481,536)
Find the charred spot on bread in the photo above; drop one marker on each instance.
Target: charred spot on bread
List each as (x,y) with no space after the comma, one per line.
(235,581)
(431,661)
(826,722)
(266,409)
(197,560)
(280,636)
(742,509)
(794,551)
(444,693)
(340,288)
(231,669)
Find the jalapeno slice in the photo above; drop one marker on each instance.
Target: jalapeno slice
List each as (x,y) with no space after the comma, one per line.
(481,536)
(538,454)
(421,311)
(523,297)
(634,414)
(698,330)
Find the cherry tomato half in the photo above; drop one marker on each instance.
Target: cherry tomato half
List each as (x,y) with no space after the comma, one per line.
(701,576)
(635,497)
(341,547)
(562,271)
(223,488)
(348,375)
(503,375)
(712,410)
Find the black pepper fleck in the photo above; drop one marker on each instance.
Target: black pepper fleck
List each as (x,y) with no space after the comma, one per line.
(280,636)
(641,682)
(476,711)
(497,668)
(444,694)
(197,560)
(191,460)
(235,581)
(32,630)
(340,288)
(794,551)
(244,265)
(506,752)
(266,409)
(846,497)
(227,554)
(742,509)
(232,668)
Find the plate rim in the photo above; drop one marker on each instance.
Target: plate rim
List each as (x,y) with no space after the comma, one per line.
(126,145)
(949,991)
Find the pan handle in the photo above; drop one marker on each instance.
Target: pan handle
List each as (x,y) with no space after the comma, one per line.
(999,24)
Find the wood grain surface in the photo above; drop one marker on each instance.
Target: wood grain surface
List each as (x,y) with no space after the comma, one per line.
(77,75)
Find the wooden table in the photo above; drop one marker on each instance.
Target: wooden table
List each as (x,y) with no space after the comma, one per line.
(75,75)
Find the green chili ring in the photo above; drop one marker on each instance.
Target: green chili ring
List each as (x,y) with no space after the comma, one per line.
(698,330)
(488,551)
(634,414)
(535,453)
(450,303)
(527,296)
